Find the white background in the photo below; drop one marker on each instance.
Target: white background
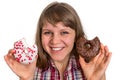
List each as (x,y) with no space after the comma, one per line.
(18,19)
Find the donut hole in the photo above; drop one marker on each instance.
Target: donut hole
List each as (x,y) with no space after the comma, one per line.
(26,51)
(87,45)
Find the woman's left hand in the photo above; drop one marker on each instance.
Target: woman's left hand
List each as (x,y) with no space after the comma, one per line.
(95,69)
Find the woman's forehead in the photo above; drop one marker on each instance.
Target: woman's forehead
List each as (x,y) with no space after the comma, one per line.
(58,25)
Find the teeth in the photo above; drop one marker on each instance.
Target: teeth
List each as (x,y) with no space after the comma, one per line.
(56,48)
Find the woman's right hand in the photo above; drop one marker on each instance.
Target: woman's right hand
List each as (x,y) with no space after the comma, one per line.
(23,71)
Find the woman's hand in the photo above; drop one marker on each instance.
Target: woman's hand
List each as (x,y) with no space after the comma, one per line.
(23,71)
(95,69)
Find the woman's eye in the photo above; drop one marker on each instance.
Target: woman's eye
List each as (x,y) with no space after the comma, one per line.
(47,33)
(64,32)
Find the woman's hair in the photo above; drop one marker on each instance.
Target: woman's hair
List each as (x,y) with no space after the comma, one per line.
(54,13)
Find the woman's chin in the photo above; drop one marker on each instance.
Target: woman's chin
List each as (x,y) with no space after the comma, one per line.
(60,58)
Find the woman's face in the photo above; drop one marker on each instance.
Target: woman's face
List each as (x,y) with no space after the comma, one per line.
(58,40)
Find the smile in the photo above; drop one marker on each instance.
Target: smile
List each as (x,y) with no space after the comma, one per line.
(57,49)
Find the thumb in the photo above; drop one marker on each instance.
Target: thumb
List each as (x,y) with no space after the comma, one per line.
(82,61)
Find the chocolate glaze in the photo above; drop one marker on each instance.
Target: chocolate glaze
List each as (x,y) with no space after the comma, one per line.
(88,49)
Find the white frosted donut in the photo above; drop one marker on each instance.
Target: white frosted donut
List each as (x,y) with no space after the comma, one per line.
(24,53)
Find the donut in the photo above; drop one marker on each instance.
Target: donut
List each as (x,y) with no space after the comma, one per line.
(88,49)
(24,53)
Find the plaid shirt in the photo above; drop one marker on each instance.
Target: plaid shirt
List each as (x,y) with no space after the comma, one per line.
(72,72)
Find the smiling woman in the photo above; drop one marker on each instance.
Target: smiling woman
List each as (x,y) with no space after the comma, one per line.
(59,41)
(58,29)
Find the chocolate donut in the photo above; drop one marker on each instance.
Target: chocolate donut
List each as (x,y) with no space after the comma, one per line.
(88,49)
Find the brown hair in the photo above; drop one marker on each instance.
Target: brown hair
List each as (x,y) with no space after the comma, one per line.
(54,13)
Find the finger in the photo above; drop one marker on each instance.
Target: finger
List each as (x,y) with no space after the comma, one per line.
(106,51)
(9,60)
(100,55)
(102,48)
(9,57)
(15,66)
(11,52)
(82,61)
(95,59)
(107,60)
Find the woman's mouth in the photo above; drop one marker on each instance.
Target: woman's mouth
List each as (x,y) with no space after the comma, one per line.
(57,48)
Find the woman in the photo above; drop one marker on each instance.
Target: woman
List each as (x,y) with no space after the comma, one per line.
(58,29)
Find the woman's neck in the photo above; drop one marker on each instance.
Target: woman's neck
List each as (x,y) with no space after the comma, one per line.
(61,65)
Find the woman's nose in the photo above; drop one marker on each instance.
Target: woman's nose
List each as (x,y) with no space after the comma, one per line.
(55,39)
